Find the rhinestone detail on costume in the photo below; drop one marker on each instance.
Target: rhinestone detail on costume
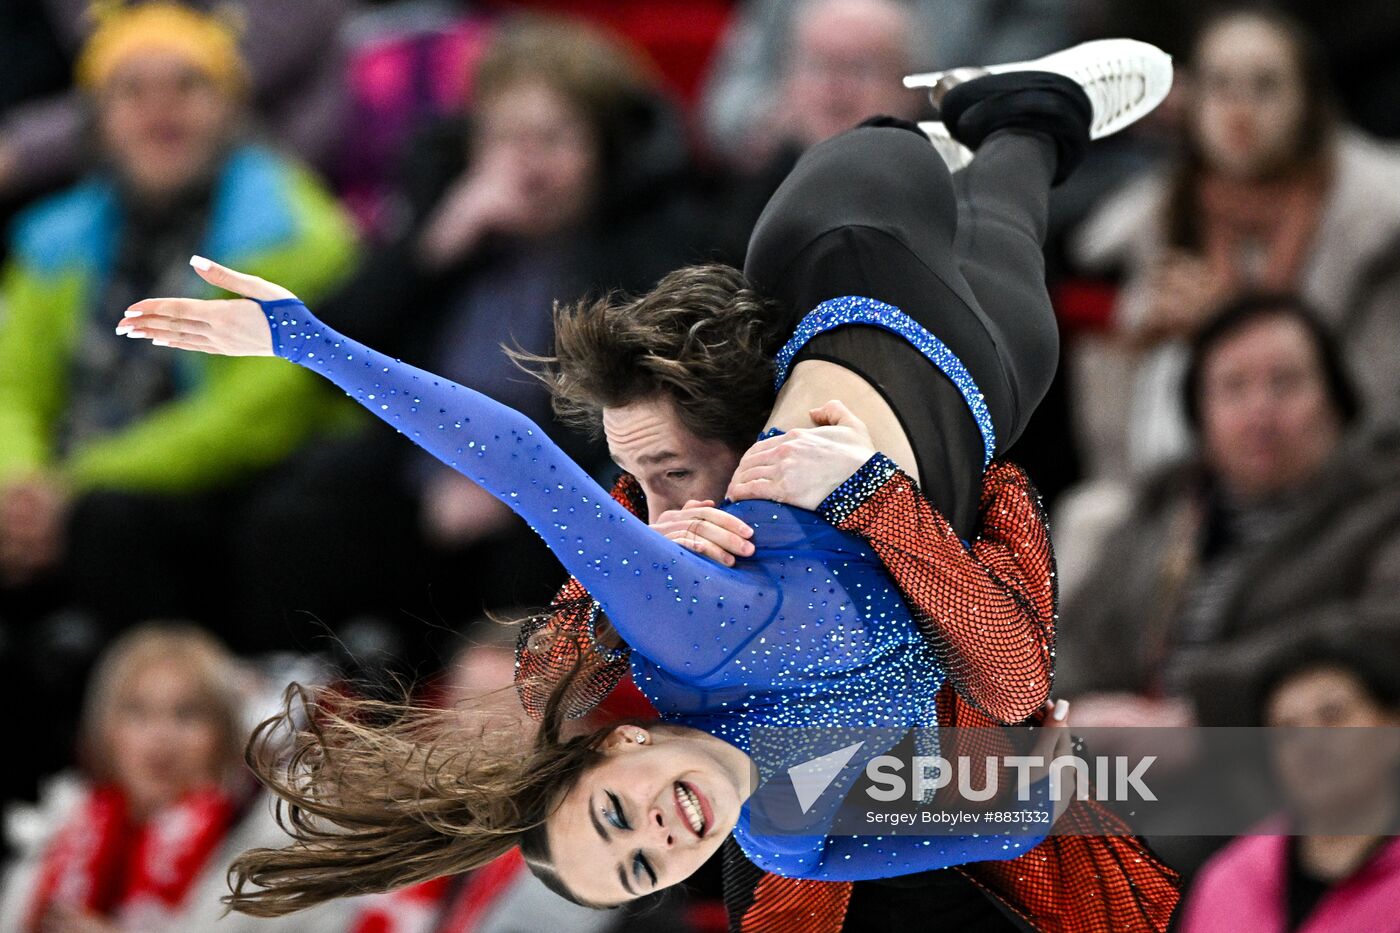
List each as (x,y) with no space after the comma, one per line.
(853,309)
(857,489)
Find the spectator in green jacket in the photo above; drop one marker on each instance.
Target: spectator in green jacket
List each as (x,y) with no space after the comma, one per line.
(115,448)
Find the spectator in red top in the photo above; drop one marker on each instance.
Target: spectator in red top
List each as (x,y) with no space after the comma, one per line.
(143,842)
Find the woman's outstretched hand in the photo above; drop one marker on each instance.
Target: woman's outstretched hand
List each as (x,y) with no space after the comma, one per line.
(804,466)
(234,327)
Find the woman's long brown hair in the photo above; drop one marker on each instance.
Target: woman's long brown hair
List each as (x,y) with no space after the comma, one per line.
(377,796)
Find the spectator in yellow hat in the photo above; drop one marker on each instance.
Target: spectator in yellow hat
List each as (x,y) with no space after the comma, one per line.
(293,78)
(121,449)
(167,85)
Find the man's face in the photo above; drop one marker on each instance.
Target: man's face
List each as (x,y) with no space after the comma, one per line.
(1267,421)
(847,60)
(163,122)
(673,466)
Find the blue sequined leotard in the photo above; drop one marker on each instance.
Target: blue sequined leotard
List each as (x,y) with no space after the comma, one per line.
(809,631)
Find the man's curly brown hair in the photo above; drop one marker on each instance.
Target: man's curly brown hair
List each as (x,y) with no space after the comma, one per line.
(703,337)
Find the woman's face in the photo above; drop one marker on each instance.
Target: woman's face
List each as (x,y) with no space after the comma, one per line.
(1333,756)
(648,816)
(537,139)
(1250,98)
(163,122)
(163,736)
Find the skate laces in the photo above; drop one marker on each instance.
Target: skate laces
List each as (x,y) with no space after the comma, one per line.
(1113,87)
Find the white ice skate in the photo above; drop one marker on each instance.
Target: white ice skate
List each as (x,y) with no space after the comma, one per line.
(1123,78)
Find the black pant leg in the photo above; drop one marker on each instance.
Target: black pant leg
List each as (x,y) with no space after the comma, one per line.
(1003,206)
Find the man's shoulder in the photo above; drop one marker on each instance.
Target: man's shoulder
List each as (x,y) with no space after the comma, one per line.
(64,229)
(265,201)
(1365,469)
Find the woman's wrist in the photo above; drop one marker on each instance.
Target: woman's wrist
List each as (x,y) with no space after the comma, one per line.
(284,316)
(857,489)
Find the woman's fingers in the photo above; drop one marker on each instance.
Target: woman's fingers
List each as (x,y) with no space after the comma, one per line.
(1054,741)
(233,327)
(704,510)
(188,343)
(184,309)
(707,541)
(707,531)
(167,338)
(733,541)
(156,326)
(249,286)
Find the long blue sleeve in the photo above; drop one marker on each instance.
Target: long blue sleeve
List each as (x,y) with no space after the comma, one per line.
(654,591)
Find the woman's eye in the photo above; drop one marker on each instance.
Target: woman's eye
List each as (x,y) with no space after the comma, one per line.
(639,865)
(615,814)
(677,474)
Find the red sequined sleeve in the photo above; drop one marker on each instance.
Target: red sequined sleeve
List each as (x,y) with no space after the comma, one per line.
(989,608)
(564,636)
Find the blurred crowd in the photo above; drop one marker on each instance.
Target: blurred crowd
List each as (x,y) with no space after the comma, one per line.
(1220,454)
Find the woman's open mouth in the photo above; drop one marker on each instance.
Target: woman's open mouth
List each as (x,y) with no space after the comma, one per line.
(693,808)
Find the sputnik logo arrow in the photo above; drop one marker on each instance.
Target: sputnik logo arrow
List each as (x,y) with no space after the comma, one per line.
(811,778)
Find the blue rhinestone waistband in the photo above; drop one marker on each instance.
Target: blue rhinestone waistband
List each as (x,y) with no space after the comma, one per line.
(853,309)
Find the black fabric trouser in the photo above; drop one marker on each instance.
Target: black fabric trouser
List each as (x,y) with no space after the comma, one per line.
(874,212)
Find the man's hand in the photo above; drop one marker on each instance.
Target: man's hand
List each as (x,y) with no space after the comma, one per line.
(707,531)
(33,525)
(804,466)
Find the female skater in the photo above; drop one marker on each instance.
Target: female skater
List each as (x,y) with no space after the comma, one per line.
(713,646)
